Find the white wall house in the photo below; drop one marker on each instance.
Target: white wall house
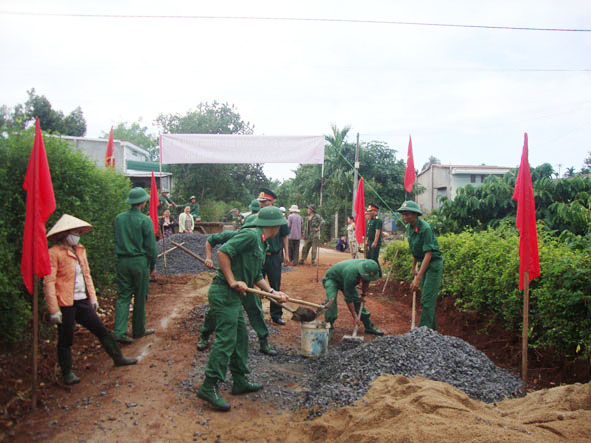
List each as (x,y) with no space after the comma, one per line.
(130,159)
(445,180)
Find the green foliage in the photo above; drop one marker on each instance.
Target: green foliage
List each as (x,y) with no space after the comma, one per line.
(81,189)
(138,135)
(215,210)
(51,120)
(481,270)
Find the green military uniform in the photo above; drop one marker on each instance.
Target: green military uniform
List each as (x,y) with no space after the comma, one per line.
(161,205)
(194,209)
(344,277)
(255,207)
(272,267)
(312,237)
(237,221)
(251,303)
(421,240)
(135,246)
(371,253)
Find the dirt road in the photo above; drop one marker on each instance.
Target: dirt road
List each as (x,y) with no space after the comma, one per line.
(146,403)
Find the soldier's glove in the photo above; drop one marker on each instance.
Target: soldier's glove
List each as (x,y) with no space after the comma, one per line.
(56,318)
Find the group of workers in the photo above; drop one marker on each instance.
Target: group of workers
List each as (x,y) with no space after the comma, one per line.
(248,257)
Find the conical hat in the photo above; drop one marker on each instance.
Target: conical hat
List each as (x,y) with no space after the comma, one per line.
(67,222)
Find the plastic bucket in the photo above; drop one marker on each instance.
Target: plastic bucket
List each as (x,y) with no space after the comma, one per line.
(315,336)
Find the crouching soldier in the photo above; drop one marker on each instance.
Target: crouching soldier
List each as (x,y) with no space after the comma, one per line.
(241,261)
(345,276)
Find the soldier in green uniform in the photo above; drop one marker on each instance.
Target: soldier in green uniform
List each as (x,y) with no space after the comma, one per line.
(373,236)
(164,202)
(255,207)
(345,276)
(311,234)
(252,303)
(194,208)
(425,252)
(276,253)
(236,219)
(135,246)
(241,259)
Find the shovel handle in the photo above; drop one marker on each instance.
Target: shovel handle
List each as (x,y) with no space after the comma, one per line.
(191,253)
(289,299)
(358,318)
(414,309)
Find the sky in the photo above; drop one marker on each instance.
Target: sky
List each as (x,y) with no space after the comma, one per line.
(465,95)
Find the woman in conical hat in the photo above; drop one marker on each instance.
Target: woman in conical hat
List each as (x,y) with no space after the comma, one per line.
(71,297)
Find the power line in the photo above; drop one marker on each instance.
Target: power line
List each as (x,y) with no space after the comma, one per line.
(292,19)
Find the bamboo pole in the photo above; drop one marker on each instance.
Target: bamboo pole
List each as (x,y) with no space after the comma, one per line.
(525,330)
(169,250)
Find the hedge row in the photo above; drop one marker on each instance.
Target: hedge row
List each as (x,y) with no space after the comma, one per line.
(81,189)
(481,271)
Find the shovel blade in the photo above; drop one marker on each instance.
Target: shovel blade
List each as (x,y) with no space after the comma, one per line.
(303,315)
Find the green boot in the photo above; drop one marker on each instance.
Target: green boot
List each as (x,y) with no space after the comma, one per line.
(64,357)
(203,342)
(210,393)
(266,348)
(112,348)
(241,385)
(369,326)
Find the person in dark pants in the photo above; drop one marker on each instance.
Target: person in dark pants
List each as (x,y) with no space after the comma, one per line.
(272,266)
(294,223)
(71,297)
(424,248)
(373,237)
(135,246)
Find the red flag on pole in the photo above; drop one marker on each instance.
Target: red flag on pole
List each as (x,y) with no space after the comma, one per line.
(529,260)
(110,153)
(410,176)
(40,205)
(360,213)
(154,204)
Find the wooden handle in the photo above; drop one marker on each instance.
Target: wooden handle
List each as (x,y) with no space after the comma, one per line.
(289,299)
(414,309)
(169,250)
(191,253)
(358,318)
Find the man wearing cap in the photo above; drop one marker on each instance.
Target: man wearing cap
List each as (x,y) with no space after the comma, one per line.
(275,245)
(194,208)
(241,259)
(311,234)
(135,246)
(164,201)
(373,236)
(294,223)
(424,248)
(344,277)
(254,207)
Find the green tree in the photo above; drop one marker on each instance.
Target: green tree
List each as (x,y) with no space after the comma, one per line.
(138,135)
(432,161)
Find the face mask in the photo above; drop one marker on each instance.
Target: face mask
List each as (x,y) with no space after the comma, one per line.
(72,239)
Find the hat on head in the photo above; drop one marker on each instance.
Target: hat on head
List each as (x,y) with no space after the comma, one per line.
(410,206)
(193,197)
(137,195)
(311,208)
(254,206)
(294,208)
(68,222)
(369,270)
(266,194)
(282,208)
(269,216)
(372,208)
(165,191)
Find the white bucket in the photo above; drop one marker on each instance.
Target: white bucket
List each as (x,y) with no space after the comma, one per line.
(314,338)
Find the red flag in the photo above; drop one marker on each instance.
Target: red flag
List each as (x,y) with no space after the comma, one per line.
(410,176)
(40,205)
(529,261)
(110,153)
(154,204)
(360,213)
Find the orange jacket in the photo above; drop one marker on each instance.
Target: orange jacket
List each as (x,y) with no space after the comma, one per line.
(59,285)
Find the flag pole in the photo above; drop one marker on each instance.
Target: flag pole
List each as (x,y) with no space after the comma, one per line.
(525,330)
(162,233)
(35,341)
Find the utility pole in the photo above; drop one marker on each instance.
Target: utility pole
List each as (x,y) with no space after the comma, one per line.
(355,174)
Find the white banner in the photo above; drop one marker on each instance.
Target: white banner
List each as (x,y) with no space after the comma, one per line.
(231,148)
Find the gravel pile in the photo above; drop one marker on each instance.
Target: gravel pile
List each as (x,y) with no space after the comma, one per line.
(178,261)
(344,375)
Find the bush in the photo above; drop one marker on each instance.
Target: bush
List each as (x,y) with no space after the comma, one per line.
(481,271)
(81,189)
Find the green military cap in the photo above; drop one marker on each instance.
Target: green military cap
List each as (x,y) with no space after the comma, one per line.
(254,206)
(410,206)
(369,270)
(269,216)
(137,195)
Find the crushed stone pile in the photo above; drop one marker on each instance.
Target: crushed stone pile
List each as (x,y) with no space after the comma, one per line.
(345,374)
(178,261)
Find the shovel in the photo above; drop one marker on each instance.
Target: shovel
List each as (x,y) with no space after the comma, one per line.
(355,338)
(300,314)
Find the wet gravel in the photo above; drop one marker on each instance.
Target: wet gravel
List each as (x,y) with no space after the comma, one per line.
(344,375)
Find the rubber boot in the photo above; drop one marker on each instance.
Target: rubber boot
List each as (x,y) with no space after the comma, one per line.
(241,385)
(112,348)
(266,348)
(203,342)
(64,357)
(210,393)
(369,326)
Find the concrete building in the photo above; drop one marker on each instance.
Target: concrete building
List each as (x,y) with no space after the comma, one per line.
(130,159)
(445,180)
